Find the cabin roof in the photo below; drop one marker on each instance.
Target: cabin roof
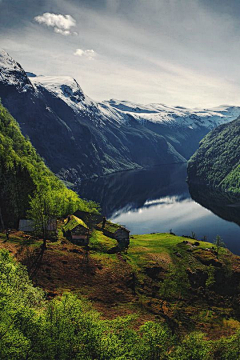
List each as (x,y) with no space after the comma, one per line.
(73,223)
(111,227)
(91,219)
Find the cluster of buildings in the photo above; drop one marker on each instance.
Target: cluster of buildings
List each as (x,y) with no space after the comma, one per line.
(77,228)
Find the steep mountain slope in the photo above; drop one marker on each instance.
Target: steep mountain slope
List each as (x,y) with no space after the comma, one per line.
(80,138)
(22,172)
(74,135)
(217,162)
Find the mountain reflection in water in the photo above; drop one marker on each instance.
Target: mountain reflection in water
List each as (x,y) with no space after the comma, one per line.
(158,199)
(225,205)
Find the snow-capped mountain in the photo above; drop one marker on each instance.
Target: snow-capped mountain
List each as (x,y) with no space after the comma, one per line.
(12,74)
(64,87)
(67,89)
(177,116)
(79,137)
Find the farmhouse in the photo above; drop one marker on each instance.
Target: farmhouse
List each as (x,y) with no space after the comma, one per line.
(76,231)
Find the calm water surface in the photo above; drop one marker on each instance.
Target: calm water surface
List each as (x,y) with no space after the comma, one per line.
(158,200)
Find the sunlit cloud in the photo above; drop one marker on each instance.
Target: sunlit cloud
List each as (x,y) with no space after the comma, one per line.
(62,24)
(62,32)
(90,54)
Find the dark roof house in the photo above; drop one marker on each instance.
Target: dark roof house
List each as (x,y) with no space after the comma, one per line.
(76,230)
(90,219)
(115,231)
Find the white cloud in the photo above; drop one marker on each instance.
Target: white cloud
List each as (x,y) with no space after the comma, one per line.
(62,24)
(90,54)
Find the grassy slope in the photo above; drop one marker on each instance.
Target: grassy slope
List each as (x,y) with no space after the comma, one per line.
(160,276)
(217,162)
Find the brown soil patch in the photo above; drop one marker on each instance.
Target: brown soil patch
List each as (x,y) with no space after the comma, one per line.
(163,258)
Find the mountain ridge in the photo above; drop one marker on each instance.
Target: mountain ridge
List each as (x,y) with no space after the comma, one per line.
(81,138)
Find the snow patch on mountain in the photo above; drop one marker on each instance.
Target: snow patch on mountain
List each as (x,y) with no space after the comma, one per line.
(12,74)
(176,116)
(69,91)
(64,87)
(8,63)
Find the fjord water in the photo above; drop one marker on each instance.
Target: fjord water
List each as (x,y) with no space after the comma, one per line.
(158,199)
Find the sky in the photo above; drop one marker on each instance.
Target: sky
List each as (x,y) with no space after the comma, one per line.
(174,52)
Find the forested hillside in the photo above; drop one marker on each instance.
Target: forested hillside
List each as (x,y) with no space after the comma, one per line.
(23,174)
(67,327)
(217,162)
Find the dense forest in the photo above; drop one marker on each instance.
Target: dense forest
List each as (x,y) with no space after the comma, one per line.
(217,162)
(24,177)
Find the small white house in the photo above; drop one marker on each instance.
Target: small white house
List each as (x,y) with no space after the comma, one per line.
(27,225)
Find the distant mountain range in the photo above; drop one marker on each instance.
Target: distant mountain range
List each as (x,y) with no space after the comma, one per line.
(81,138)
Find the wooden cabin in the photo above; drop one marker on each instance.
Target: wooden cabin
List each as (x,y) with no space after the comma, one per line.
(115,231)
(76,231)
